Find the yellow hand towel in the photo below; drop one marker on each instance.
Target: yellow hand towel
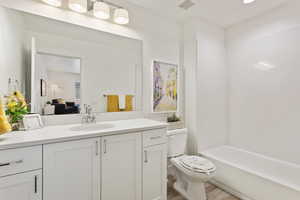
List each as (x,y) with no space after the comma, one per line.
(129,103)
(5,127)
(113,103)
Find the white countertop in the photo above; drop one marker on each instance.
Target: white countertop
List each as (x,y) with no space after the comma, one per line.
(52,134)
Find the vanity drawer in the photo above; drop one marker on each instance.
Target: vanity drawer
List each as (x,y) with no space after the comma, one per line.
(154,137)
(13,161)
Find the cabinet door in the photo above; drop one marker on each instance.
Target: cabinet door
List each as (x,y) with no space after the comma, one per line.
(72,170)
(155,173)
(24,186)
(121,167)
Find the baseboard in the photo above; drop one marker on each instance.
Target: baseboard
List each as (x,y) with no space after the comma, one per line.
(230,190)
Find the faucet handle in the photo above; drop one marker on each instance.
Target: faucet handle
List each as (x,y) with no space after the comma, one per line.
(89,109)
(85,108)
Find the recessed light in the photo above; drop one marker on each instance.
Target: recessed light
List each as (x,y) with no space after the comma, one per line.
(248,1)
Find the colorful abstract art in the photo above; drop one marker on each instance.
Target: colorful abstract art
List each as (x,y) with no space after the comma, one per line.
(165,87)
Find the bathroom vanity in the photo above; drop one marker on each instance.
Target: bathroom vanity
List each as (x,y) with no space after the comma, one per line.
(109,161)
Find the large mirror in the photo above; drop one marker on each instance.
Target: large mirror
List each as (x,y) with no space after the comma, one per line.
(68,66)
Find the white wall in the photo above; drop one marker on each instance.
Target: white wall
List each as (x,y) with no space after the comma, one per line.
(206,83)
(12,63)
(265,104)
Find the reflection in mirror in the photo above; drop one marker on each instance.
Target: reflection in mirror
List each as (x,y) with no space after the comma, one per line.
(59,86)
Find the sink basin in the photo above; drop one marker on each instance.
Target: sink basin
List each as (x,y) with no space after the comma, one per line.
(92,127)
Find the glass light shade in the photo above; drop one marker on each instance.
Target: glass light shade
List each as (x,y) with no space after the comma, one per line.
(248,1)
(56,3)
(78,5)
(101,10)
(121,16)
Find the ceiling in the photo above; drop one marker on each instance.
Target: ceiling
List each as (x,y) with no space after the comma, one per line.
(222,12)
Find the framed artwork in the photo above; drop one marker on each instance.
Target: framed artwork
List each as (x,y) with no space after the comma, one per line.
(165,87)
(43,88)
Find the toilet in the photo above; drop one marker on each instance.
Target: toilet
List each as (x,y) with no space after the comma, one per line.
(191,172)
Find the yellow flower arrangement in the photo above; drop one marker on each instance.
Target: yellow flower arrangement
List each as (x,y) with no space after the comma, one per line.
(16,108)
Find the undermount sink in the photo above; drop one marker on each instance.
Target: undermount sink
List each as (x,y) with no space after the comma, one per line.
(92,127)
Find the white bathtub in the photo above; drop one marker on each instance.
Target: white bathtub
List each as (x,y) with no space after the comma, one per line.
(252,176)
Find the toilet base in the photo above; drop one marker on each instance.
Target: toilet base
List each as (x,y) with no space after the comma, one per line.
(191,190)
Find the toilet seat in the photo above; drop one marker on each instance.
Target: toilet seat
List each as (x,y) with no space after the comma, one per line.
(195,164)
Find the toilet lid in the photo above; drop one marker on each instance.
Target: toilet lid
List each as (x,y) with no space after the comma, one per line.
(197,164)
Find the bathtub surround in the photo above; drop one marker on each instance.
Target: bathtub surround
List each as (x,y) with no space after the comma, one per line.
(242,88)
(263,56)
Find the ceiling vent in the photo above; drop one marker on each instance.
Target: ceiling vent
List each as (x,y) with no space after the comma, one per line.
(185,4)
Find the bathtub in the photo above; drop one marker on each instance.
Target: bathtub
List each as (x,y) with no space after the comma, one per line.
(252,176)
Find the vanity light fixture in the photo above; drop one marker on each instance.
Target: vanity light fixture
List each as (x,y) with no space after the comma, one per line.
(121,16)
(78,5)
(56,3)
(101,10)
(248,1)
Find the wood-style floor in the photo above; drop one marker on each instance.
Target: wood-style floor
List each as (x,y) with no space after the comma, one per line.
(213,193)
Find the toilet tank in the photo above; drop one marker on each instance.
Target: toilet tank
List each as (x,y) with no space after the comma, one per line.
(177,142)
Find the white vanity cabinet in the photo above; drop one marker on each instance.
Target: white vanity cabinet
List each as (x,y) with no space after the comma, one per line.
(75,169)
(24,186)
(121,167)
(155,165)
(72,170)
(21,174)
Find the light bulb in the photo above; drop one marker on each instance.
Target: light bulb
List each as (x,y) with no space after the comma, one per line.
(101,10)
(78,5)
(56,3)
(121,16)
(248,1)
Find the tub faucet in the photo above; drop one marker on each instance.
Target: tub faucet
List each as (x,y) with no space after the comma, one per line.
(88,117)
